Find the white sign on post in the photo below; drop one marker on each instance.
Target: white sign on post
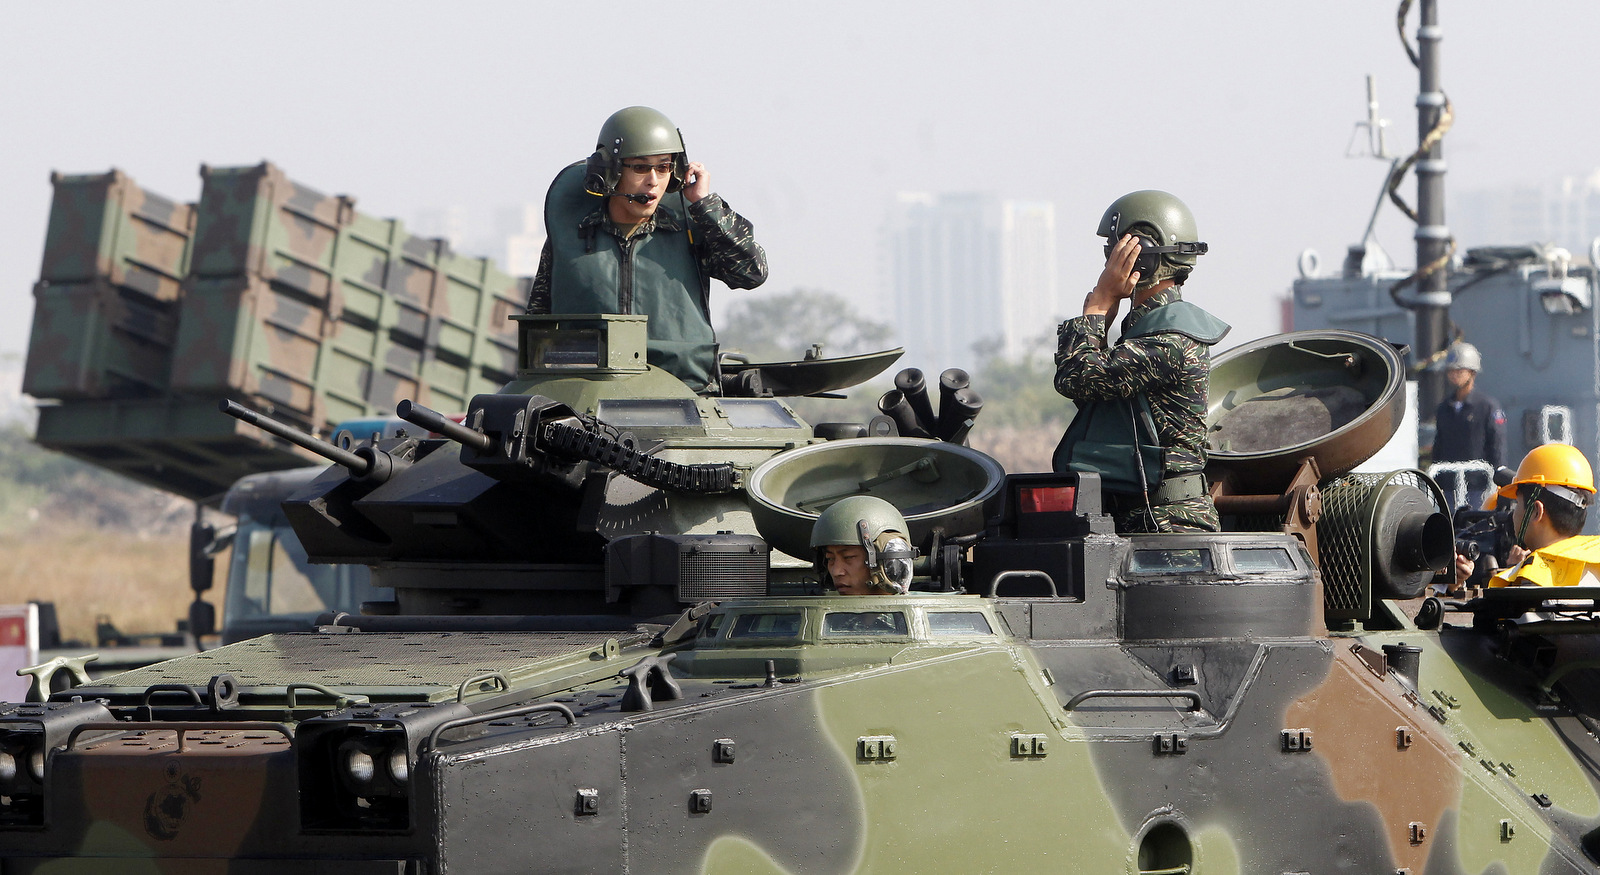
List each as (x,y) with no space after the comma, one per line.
(19,649)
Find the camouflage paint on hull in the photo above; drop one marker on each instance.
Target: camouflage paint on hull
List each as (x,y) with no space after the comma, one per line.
(798,792)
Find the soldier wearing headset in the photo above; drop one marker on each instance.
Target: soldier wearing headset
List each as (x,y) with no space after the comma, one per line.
(1142,400)
(862,547)
(636,228)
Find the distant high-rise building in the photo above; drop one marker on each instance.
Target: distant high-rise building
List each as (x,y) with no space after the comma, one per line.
(1029,296)
(522,229)
(513,239)
(1565,213)
(449,223)
(969,270)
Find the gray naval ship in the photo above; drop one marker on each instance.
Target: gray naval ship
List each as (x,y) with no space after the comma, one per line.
(1528,308)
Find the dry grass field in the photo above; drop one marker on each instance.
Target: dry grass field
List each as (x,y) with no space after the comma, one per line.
(140,581)
(90,541)
(1020,450)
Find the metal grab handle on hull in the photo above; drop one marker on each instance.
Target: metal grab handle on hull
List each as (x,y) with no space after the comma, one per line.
(557,707)
(461,691)
(1192,696)
(1022,573)
(340,700)
(150,692)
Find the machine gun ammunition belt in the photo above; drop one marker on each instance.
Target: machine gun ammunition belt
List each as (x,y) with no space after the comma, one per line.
(650,470)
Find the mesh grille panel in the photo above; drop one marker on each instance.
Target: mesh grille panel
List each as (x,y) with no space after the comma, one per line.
(718,575)
(1341,548)
(358,659)
(1344,532)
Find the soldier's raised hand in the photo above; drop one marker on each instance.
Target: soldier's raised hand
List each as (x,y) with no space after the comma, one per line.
(696,183)
(1117,280)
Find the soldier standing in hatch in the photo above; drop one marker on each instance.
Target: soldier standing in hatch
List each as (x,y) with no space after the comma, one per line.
(1142,401)
(636,228)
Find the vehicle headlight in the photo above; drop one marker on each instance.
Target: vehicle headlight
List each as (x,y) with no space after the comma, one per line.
(28,733)
(399,765)
(359,765)
(372,765)
(18,764)
(356,767)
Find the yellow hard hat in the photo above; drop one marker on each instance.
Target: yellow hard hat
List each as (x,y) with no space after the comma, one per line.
(1555,465)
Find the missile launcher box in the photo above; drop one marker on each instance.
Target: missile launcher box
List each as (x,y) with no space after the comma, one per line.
(266,291)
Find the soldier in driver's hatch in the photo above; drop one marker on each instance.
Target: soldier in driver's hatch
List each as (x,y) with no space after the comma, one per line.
(862,547)
(636,228)
(1142,401)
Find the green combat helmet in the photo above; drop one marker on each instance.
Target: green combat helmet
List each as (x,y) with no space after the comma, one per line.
(630,133)
(875,526)
(1166,228)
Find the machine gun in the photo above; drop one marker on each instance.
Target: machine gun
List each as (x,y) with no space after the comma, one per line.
(368,464)
(531,435)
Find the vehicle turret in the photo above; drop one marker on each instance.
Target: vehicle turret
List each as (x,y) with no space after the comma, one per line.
(589,441)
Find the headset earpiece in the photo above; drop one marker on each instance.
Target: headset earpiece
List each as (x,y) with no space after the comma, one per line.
(892,570)
(596,180)
(680,166)
(1149,257)
(680,173)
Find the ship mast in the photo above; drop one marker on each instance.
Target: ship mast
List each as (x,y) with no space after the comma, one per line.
(1432,311)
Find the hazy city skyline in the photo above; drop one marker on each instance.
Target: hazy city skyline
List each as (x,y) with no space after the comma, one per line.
(809,117)
(967,270)
(1564,212)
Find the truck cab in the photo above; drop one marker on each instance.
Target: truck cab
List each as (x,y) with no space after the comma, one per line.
(271,585)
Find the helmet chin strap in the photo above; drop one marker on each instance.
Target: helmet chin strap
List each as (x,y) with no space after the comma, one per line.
(1527,514)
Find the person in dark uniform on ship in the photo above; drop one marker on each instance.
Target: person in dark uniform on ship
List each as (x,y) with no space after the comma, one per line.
(1470,426)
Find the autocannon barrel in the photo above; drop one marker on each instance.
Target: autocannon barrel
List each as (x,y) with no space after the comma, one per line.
(357,465)
(436,422)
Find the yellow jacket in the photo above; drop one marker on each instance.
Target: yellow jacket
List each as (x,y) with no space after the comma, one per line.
(1563,563)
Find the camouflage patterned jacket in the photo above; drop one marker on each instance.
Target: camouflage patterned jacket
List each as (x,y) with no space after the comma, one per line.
(1169,369)
(725,245)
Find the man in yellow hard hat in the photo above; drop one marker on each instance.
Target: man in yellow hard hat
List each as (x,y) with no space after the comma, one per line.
(1552,492)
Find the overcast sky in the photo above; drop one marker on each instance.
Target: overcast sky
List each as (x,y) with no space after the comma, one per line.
(810,115)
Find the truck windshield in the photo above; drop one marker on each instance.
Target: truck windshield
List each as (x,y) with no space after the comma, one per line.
(272,586)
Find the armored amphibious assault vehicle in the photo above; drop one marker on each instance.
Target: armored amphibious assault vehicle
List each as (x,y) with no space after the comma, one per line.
(608,651)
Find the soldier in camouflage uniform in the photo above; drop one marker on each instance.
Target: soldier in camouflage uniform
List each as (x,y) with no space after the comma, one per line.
(1161,364)
(637,229)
